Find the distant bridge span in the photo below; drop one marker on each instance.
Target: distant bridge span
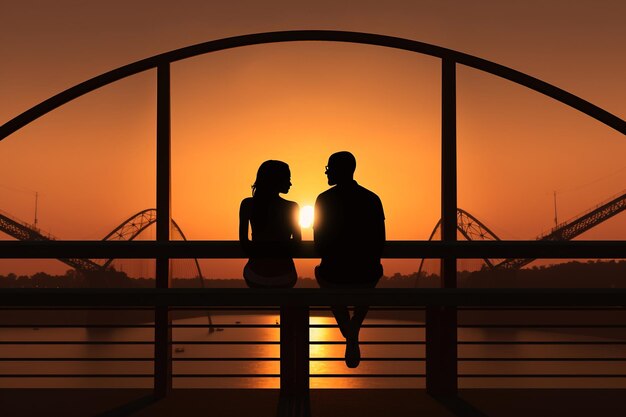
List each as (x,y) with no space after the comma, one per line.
(129,229)
(24,231)
(473,229)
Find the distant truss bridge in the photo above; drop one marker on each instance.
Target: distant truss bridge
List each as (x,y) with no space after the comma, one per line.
(129,229)
(473,229)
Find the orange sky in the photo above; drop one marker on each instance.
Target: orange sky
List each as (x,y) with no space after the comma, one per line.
(92,161)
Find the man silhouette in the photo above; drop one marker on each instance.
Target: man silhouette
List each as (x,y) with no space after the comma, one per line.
(349,234)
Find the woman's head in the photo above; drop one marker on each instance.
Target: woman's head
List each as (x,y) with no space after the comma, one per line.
(273,177)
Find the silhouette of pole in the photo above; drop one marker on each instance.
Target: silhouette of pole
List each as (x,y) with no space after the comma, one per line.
(162,319)
(441,338)
(294,362)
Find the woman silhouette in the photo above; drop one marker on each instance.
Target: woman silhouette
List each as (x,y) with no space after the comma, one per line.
(275,228)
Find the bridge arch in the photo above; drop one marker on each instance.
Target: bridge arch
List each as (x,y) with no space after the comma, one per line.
(447,55)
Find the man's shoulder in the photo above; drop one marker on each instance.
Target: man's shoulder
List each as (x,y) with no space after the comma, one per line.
(327,194)
(366,191)
(366,194)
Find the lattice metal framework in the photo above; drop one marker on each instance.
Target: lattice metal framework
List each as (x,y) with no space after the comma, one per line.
(24,231)
(568,230)
(129,229)
(473,229)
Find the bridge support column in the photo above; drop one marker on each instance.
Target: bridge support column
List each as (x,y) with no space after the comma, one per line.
(294,362)
(441,351)
(441,321)
(162,319)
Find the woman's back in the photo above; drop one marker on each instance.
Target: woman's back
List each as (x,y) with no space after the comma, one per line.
(272,220)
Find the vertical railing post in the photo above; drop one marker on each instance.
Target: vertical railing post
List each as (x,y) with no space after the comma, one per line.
(441,322)
(162,320)
(294,362)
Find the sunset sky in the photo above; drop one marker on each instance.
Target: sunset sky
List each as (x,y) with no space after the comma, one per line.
(92,161)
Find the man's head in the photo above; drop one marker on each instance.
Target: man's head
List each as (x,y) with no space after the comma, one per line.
(340,168)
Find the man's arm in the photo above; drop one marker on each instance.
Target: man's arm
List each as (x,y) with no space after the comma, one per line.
(319,231)
(380,228)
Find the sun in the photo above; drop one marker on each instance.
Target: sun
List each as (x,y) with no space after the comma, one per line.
(306,217)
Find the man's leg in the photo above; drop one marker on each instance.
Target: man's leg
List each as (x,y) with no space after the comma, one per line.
(342,315)
(357,318)
(353,351)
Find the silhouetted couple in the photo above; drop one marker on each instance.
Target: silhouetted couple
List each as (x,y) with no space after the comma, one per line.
(349,233)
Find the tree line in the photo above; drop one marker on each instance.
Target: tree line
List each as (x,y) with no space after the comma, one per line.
(575,274)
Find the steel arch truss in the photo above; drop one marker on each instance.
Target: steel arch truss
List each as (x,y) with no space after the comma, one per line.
(472,229)
(130,228)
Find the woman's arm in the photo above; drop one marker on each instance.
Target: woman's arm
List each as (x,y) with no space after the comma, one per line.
(296,232)
(244,221)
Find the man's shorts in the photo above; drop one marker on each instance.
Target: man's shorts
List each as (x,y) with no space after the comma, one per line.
(357,279)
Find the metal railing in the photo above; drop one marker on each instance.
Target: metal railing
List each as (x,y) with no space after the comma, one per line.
(610,300)
(294,342)
(415,343)
(441,314)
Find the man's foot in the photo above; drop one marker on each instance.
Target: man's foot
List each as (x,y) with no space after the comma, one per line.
(353,351)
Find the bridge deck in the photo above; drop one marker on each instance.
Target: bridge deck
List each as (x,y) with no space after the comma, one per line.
(326,403)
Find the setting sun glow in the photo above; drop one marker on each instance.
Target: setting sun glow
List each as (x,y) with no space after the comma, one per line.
(306,217)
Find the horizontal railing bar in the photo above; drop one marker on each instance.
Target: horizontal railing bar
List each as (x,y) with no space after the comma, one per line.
(213,359)
(226,308)
(333,359)
(226,375)
(205,249)
(71,308)
(277,308)
(312,375)
(371,326)
(372,308)
(368,375)
(226,342)
(204,326)
(76,376)
(365,359)
(40,359)
(541,359)
(338,359)
(198,342)
(313,296)
(538,342)
(61,342)
(370,342)
(546,308)
(542,326)
(263,342)
(78,325)
(542,375)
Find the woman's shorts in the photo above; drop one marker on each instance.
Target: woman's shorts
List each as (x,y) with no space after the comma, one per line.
(285,279)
